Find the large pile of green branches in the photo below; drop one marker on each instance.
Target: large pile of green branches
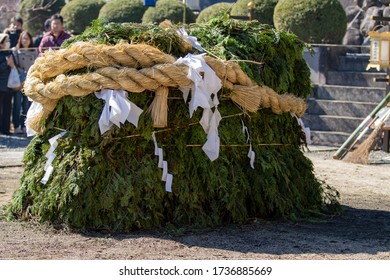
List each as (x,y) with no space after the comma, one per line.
(112,181)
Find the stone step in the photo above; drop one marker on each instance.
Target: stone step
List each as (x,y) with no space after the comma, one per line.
(339,108)
(348,93)
(331,123)
(357,79)
(353,63)
(328,137)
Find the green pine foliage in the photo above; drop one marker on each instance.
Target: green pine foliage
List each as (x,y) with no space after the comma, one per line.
(78,14)
(112,181)
(35,12)
(172,10)
(277,55)
(314,21)
(212,11)
(263,9)
(122,11)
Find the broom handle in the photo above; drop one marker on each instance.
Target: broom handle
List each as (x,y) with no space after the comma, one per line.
(361,134)
(343,150)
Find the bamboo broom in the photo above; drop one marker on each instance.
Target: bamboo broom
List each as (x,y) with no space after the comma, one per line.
(344,149)
(360,155)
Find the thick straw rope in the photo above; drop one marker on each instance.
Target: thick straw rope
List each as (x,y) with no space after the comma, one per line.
(136,68)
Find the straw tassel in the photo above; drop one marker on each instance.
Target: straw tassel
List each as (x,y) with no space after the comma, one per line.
(158,109)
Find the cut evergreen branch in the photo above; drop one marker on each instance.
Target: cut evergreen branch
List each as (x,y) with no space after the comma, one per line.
(112,181)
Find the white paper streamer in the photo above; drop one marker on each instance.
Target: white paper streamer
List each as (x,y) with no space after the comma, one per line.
(205,81)
(251,153)
(163,164)
(212,145)
(305,130)
(191,39)
(204,89)
(117,109)
(50,155)
(35,108)
(168,183)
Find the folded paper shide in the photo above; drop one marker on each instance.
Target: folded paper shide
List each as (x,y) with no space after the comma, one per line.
(117,109)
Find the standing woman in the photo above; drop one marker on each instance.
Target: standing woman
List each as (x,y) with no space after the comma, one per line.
(6,63)
(24,55)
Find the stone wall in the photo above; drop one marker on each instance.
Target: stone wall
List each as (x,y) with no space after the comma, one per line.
(359,13)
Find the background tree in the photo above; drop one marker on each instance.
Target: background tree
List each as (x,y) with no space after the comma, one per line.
(168,9)
(123,11)
(35,12)
(78,14)
(263,10)
(206,3)
(213,10)
(314,21)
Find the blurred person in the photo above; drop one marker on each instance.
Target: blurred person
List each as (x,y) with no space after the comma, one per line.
(24,55)
(14,30)
(6,63)
(46,28)
(56,36)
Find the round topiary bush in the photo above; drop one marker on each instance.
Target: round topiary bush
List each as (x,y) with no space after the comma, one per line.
(168,9)
(263,9)
(314,21)
(123,11)
(211,11)
(34,17)
(78,14)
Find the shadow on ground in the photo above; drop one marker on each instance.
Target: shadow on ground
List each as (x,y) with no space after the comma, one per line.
(357,231)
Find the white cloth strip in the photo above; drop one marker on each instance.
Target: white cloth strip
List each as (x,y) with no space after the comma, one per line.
(50,155)
(251,156)
(163,164)
(305,130)
(34,109)
(191,39)
(117,109)
(205,81)
(204,89)
(165,171)
(168,183)
(251,153)
(212,145)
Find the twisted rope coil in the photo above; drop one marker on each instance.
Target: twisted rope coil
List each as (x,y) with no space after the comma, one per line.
(136,68)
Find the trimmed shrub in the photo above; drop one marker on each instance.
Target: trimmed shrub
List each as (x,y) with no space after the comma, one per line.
(263,10)
(78,14)
(314,21)
(211,11)
(172,10)
(206,3)
(34,17)
(123,11)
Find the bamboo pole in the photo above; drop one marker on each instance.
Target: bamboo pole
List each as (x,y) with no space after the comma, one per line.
(343,150)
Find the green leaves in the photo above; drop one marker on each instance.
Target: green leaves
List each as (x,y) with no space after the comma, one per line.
(112,181)
(269,57)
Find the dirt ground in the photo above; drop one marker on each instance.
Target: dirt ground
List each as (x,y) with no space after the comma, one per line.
(361,232)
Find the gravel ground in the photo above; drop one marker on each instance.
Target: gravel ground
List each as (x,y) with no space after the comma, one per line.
(14,142)
(360,233)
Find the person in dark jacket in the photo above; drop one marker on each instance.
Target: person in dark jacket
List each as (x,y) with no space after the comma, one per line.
(6,63)
(24,55)
(47,28)
(14,30)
